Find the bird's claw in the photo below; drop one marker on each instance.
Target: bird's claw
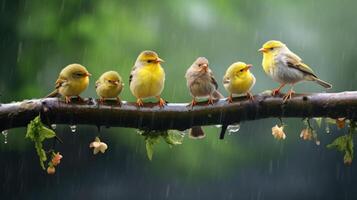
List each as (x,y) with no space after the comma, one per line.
(139,103)
(230,99)
(210,101)
(101,100)
(162,102)
(193,103)
(67,99)
(250,96)
(288,95)
(118,101)
(275,92)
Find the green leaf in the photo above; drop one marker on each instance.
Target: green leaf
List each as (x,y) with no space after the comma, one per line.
(149,143)
(173,137)
(46,133)
(344,144)
(339,143)
(38,132)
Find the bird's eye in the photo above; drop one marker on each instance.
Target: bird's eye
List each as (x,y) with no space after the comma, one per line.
(241,70)
(149,61)
(272,48)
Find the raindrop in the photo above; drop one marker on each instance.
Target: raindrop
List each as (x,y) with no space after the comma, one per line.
(218,125)
(327,129)
(54,126)
(4,133)
(234,128)
(317,142)
(73,128)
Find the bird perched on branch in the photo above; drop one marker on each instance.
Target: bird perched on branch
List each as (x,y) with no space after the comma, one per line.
(201,84)
(285,67)
(147,78)
(239,80)
(109,85)
(72,81)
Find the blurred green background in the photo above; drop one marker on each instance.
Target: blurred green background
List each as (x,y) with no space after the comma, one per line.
(39,37)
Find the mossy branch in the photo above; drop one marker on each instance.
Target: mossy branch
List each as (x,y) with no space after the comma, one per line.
(177,116)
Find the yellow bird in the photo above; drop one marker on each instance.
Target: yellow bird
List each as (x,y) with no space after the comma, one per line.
(239,80)
(109,85)
(72,81)
(147,77)
(285,67)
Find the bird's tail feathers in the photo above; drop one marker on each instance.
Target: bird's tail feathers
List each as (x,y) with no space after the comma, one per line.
(323,83)
(53,94)
(217,95)
(196,132)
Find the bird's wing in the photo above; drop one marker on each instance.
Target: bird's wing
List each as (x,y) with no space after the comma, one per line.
(226,80)
(294,61)
(213,81)
(131,73)
(97,83)
(61,81)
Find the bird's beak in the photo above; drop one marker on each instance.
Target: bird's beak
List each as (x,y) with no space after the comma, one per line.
(159,60)
(248,67)
(116,82)
(263,50)
(88,74)
(205,67)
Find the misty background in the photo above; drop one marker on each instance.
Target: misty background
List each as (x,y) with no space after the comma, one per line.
(38,38)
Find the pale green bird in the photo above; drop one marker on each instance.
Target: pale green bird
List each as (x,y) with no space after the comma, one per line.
(285,67)
(109,85)
(72,81)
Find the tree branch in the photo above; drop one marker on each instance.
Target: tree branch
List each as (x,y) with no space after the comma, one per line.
(177,116)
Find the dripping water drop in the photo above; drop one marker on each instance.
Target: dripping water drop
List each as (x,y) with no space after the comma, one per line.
(73,128)
(4,133)
(234,128)
(327,129)
(54,126)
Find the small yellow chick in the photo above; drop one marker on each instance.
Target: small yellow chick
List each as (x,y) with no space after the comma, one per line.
(72,81)
(109,85)
(285,67)
(239,80)
(147,77)
(202,84)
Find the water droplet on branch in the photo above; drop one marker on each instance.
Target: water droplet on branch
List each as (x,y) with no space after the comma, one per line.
(234,128)
(73,128)
(54,126)
(4,133)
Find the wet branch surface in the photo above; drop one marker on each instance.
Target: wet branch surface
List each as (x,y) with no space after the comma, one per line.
(177,116)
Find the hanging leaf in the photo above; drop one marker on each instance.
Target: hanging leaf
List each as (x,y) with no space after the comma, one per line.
(37,132)
(153,137)
(149,143)
(173,137)
(344,144)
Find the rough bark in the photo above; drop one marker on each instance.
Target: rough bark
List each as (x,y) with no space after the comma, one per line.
(177,116)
